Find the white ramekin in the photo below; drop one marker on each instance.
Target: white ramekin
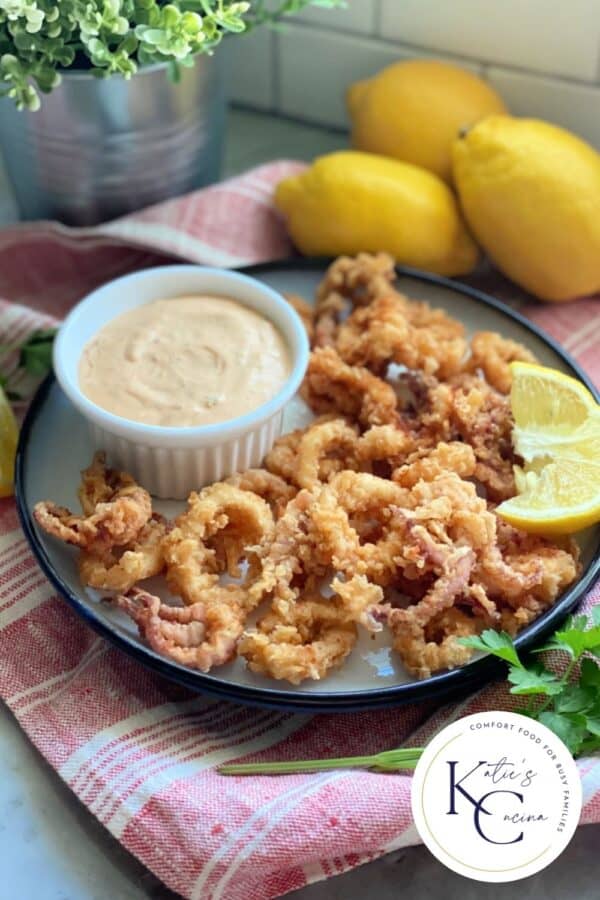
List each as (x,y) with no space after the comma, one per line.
(171,462)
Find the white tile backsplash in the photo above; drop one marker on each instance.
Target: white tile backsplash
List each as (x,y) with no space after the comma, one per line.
(315,69)
(251,80)
(543,56)
(359,15)
(316,90)
(554,36)
(574,106)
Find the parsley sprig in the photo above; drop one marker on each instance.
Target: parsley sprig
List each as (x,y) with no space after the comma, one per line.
(565,697)
(30,361)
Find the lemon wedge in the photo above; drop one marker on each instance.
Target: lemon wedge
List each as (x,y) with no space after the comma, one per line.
(9,434)
(557,432)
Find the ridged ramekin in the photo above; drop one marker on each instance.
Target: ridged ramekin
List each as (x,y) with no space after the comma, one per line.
(171,462)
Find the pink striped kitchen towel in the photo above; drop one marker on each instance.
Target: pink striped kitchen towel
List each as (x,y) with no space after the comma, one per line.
(139,752)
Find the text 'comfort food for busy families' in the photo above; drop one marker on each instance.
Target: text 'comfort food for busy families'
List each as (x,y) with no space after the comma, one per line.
(185,361)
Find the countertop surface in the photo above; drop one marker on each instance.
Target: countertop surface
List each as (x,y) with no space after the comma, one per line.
(51,848)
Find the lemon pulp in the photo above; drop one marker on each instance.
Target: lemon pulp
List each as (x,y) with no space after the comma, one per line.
(557,432)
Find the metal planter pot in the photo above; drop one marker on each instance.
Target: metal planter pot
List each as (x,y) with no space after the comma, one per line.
(100,148)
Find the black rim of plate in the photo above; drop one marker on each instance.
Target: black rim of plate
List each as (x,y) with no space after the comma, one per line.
(450,682)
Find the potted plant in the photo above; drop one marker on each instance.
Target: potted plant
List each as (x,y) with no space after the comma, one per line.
(111,105)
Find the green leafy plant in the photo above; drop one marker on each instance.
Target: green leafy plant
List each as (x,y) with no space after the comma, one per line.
(39,38)
(565,698)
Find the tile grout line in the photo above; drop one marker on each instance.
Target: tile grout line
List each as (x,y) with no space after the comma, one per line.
(388,43)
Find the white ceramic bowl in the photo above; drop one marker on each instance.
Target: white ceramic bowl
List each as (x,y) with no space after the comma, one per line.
(171,462)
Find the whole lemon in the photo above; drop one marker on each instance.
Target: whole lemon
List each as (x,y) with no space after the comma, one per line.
(530,192)
(413,111)
(349,202)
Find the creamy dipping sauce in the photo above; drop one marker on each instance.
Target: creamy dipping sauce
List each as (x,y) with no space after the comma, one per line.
(185,361)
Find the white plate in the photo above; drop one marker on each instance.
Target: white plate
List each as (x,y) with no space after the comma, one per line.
(55,444)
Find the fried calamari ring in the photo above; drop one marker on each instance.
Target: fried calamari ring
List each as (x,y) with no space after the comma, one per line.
(281,459)
(116,509)
(305,310)
(493,354)
(325,440)
(119,568)
(330,385)
(200,636)
(424,651)
(353,519)
(214,536)
(271,487)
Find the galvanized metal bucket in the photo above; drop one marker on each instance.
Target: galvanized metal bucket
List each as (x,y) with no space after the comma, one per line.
(99,148)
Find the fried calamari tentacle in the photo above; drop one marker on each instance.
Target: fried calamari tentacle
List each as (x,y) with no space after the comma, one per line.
(409,626)
(349,281)
(493,354)
(116,510)
(308,644)
(310,636)
(214,536)
(291,553)
(332,386)
(393,329)
(119,568)
(333,441)
(99,483)
(271,487)
(554,566)
(468,409)
(451,507)
(430,463)
(200,636)
(501,579)
(359,600)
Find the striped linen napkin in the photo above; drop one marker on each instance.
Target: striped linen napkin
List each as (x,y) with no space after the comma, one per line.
(139,752)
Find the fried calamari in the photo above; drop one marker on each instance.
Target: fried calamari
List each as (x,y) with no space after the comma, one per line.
(115,509)
(379,514)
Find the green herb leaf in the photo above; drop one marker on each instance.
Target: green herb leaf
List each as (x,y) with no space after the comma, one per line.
(36,354)
(590,675)
(573,698)
(592,723)
(499,643)
(570,729)
(534,680)
(574,639)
